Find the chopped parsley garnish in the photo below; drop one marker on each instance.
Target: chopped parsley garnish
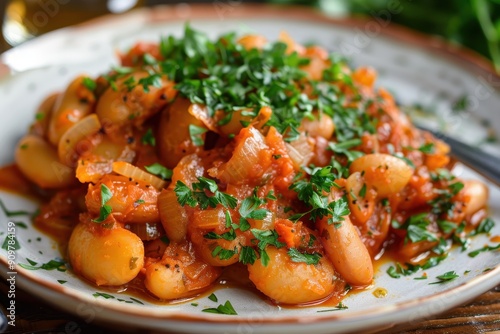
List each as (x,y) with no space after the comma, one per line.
(148,138)
(297,256)
(416,228)
(421,277)
(398,270)
(159,170)
(10,243)
(225,308)
(224,76)
(484,227)
(90,84)
(247,255)
(103,295)
(427,148)
(230,236)
(263,238)
(105,209)
(21,224)
(446,226)
(312,192)
(224,254)
(393,272)
(57,264)
(446,277)
(195,133)
(482,250)
(443,204)
(213,298)
(10,213)
(249,209)
(339,307)
(345,149)
(139,201)
(199,196)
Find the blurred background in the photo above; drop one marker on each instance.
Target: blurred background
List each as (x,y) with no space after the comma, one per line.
(472,23)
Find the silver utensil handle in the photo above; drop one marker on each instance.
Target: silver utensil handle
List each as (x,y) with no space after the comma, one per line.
(484,163)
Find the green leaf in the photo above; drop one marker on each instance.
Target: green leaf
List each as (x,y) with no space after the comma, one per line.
(230,236)
(258,214)
(195,133)
(427,148)
(227,308)
(446,277)
(416,227)
(159,170)
(136,300)
(106,194)
(446,226)
(484,227)
(104,213)
(55,264)
(89,84)
(148,138)
(456,187)
(339,209)
(148,59)
(226,200)
(224,254)
(244,224)
(213,298)
(10,213)
(151,80)
(184,194)
(103,295)
(391,271)
(339,307)
(297,256)
(247,255)
(206,183)
(10,243)
(476,252)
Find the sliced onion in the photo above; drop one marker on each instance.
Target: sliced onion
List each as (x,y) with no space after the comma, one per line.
(146,231)
(300,151)
(173,216)
(68,148)
(208,219)
(200,112)
(246,159)
(91,171)
(131,171)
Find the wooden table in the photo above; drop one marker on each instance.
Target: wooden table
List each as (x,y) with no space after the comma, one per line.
(33,315)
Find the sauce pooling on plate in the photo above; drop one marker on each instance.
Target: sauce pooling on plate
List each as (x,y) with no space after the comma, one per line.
(197,158)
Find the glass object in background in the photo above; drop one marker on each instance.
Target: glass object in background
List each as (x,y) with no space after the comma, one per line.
(25,19)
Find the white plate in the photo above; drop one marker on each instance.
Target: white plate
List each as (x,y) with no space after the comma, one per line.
(415,68)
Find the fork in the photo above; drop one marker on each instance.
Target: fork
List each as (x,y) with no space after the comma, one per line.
(484,163)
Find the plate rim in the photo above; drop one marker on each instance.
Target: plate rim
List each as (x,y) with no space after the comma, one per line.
(473,62)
